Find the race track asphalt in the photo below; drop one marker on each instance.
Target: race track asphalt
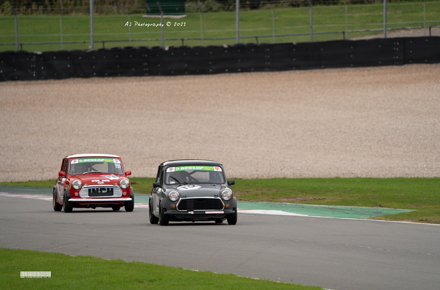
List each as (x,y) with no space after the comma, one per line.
(327,252)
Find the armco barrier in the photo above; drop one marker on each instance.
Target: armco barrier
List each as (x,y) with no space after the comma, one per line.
(422,50)
(155,61)
(362,53)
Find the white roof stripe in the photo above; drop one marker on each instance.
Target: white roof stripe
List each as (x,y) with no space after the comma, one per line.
(91,155)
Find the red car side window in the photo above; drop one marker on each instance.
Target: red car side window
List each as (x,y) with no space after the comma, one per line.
(63,165)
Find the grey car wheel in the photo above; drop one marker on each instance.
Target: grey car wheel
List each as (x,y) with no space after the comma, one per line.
(232,219)
(153,219)
(163,218)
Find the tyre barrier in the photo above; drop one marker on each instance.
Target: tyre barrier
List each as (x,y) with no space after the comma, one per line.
(183,60)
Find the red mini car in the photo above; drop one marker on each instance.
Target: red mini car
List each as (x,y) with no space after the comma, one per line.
(91,181)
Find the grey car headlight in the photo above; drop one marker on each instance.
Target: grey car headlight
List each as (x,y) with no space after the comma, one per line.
(173,195)
(77,184)
(124,183)
(226,194)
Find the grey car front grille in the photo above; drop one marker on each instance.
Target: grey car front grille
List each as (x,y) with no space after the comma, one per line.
(200,204)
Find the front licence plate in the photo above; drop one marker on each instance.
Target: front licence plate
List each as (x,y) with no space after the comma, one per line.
(101,191)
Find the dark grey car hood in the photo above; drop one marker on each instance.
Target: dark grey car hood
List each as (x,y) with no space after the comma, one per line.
(200,190)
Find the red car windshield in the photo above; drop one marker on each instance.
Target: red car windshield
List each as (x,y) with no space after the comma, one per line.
(95,165)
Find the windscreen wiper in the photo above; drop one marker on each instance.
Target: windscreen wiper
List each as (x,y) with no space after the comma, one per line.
(178,180)
(92,172)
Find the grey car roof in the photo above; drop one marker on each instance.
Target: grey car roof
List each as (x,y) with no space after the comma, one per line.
(190,162)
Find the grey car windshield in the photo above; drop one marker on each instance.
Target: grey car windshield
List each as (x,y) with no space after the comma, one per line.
(95,165)
(194,175)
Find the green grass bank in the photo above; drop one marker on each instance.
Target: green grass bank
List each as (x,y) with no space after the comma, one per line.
(97,273)
(418,194)
(214,28)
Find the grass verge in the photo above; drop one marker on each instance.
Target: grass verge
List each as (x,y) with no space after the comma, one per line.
(97,273)
(418,194)
(54,32)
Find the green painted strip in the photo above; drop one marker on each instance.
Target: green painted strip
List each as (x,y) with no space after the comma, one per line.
(351,212)
(141,198)
(322,210)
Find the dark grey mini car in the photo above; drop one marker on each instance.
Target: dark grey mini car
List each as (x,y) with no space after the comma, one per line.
(192,190)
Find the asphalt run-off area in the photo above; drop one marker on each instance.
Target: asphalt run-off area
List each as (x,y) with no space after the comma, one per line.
(141,201)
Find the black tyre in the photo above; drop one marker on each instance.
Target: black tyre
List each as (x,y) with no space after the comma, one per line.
(163,218)
(129,205)
(218,221)
(116,207)
(153,219)
(56,205)
(232,219)
(68,206)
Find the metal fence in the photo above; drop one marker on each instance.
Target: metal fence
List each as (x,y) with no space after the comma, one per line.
(270,25)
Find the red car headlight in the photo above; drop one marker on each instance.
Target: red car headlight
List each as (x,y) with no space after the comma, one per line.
(124,183)
(77,184)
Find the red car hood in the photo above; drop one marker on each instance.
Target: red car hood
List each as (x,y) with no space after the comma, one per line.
(99,179)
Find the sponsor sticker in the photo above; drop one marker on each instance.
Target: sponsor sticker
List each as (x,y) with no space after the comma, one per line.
(94,160)
(198,168)
(111,177)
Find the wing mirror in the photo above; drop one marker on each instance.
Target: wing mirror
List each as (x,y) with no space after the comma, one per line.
(61,174)
(127,173)
(231,182)
(157,185)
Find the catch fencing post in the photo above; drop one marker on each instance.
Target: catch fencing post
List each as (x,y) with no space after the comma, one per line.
(16,27)
(346,18)
(237,20)
(161,24)
(201,21)
(91,26)
(61,33)
(129,30)
(311,20)
(384,18)
(424,19)
(273,27)
(61,24)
